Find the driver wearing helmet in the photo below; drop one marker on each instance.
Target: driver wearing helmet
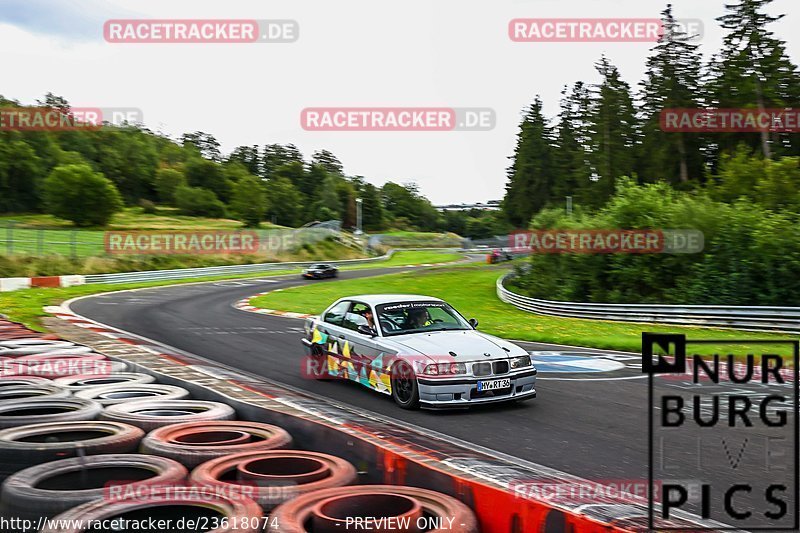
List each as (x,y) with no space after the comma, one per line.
(419,318)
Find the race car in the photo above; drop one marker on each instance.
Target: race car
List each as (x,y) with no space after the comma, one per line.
(320,271)
(418,349)
(498,256)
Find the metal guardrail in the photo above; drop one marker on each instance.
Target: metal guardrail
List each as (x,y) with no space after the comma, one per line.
(755,318)
(184,273)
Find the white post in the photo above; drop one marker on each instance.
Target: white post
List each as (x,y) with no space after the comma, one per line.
(358,216)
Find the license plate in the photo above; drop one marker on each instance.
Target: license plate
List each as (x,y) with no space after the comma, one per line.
(494,384)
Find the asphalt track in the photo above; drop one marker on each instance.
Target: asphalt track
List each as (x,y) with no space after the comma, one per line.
(590,417)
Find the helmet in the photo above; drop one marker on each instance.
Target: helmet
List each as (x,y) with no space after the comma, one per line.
(418,315)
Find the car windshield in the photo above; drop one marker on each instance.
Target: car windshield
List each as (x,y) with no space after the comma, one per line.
(413,317)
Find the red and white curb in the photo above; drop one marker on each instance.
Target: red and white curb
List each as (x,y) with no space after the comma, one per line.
(65,314)
(244,305)
(13,284)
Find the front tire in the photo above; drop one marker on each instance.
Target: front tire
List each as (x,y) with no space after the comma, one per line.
(405,389)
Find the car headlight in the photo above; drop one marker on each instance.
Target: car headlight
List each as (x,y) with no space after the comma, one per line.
(521,362)
(445,369)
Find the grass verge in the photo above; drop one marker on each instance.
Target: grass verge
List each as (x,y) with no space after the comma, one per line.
(419,239)
(472,291)
(411,257)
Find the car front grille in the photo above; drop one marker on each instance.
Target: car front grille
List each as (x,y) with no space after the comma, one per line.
(500,367)
(490,368)
(482,369)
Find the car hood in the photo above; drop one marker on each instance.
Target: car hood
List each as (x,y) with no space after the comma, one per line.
(467,345)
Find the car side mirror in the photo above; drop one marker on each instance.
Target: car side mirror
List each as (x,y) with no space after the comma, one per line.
(366,330)
(473,322)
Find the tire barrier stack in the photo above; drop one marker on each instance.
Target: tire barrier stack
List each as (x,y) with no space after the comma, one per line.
(86,447)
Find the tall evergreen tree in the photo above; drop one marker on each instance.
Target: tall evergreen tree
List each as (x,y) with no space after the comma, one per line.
(371,207)
(249,157)
(206,144)
(328,161)
(571,168)
(613,131)
(530,174)
(672,80)
(754,71)
(276,156)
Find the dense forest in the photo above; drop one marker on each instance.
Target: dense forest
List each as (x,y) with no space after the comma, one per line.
(607,150)
(87,174)
(609,130)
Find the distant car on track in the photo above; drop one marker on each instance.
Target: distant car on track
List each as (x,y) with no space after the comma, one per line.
(499,255)
(320,271)
(419,350)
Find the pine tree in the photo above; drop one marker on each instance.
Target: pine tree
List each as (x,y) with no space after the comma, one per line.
(613,131)
(328,161)
(672,80)
(571,168)
(249,157)
(530,175)
(276,156)
(372,208)
(754,71)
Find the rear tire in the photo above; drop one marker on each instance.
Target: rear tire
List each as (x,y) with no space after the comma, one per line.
(405,389)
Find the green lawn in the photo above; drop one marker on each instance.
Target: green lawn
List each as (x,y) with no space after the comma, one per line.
(26,305)
(411,257)
(419,239)
(472,291)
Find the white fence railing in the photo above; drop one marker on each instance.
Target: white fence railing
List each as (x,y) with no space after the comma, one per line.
(756,318)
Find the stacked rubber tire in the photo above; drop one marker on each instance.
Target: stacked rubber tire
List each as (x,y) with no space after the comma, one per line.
(118,445)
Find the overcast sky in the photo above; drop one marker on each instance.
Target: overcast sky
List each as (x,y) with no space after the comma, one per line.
(355,53)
